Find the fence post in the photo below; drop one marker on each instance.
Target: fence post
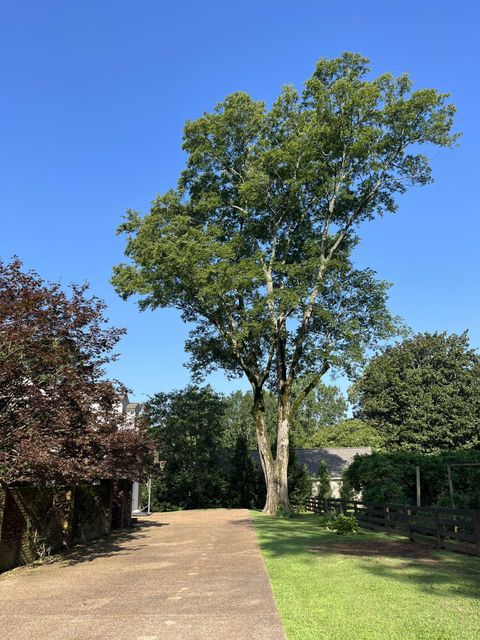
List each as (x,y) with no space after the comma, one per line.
(476,528)
(386,515)
(369,516)
(408,513)
(437,527)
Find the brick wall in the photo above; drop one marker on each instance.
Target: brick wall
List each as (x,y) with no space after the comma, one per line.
(122,504)
(14,548)
(33,518)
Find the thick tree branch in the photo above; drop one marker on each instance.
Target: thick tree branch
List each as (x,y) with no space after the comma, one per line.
(307,389)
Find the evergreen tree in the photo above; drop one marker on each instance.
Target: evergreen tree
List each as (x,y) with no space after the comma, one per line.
(323,478)
(299,483)
(243,476)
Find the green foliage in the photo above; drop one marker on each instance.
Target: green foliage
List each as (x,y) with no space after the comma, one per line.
(238,420)
(265,217)
(423,394)
(244,477)
(299,483)
(390,477)
(323,478)
(159,495)
(348,433)
(254,247)
(342,525)
(347,492)
(324,406)
(188,431)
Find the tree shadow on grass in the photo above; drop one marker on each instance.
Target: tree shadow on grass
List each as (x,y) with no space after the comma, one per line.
(387,557)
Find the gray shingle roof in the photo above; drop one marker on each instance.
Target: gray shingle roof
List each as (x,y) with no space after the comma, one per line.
(336,458)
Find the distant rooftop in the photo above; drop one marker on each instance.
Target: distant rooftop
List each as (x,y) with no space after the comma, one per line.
(337,459)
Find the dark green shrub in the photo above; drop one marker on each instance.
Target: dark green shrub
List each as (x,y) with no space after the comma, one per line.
(243,476)
(347,492)
(187,429)
(390,477)
(343,525)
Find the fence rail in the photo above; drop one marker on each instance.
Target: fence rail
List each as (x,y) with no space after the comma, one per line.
(455,529)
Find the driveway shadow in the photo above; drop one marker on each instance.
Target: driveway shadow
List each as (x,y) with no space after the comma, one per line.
(118,542)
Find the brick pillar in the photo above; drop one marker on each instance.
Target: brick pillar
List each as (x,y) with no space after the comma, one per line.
(66,504)
(127,514)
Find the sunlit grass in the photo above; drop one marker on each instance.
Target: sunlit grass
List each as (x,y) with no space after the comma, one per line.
(367,586)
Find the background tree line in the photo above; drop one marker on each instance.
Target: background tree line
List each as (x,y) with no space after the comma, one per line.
(419,398)
(419,394)
(206,461)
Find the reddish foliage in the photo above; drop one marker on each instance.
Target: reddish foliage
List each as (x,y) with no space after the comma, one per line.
(59,417)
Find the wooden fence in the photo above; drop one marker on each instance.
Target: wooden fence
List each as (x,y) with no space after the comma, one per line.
(455,529)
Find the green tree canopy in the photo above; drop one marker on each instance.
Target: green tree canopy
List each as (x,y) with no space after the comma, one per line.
(244,477)
(255,244)
(348,433)
(391,477)
(323,481)
(187,429)
(325,406)
(423,394)
(238,419)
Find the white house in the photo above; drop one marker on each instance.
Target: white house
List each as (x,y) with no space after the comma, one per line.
(130,412)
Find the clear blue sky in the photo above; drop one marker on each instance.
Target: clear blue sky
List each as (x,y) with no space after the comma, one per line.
(94,97)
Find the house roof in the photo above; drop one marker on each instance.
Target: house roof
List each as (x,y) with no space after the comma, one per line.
(337,459)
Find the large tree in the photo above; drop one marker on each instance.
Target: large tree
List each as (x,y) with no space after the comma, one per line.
(254,246)
(423,394)
(59,416)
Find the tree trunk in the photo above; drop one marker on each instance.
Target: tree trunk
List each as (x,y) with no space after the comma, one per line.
(277,490)
(275,470)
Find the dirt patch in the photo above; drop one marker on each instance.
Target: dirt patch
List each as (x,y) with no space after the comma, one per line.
(386,548)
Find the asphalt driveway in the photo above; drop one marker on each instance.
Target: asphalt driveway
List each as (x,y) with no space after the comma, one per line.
(191,575)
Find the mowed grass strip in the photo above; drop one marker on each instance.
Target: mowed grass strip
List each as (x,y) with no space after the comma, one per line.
(367,586)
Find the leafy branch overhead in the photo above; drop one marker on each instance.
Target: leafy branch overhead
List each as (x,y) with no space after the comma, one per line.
(255,242)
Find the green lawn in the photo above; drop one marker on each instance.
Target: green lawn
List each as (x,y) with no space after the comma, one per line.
(367,586)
